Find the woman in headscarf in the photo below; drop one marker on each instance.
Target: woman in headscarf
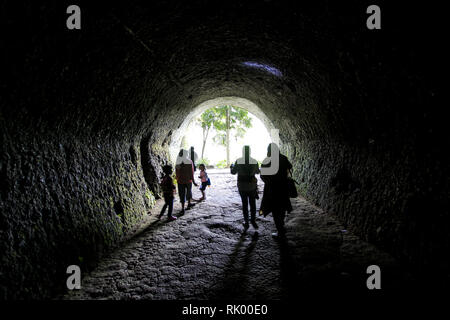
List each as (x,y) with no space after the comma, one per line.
(274,173)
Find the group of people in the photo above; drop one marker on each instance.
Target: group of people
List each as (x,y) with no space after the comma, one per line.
(274,173)
(184,171)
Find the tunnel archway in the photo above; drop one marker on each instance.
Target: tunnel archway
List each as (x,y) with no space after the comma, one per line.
(243,103)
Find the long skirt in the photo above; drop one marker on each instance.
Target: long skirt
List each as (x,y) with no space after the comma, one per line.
(275,199)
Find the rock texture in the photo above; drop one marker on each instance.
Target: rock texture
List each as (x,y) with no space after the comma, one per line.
(87,117)
(206,254)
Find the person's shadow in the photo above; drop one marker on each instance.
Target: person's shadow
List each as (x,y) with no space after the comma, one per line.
(236,272)
(289,277)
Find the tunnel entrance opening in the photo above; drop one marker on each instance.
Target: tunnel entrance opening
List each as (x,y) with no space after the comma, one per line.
(219,134)
(187,135)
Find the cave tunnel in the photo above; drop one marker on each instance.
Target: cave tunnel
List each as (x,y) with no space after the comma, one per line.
(90,116)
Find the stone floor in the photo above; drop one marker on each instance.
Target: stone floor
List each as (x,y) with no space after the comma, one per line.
(206,254)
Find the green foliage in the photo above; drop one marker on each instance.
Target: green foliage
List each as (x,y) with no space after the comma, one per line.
(239,123)
(203,161)
(221,164)
(207,118)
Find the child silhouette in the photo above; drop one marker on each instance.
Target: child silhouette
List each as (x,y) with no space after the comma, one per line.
(168,191)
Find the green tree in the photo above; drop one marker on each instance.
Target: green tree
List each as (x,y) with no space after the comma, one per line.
(230,118)
(206,121)
(224,119)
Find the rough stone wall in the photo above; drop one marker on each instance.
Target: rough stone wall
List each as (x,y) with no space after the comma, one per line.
(394,201)
(72,182)
(64,201)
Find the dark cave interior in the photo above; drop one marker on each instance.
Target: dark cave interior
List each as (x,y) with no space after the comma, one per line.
(87,118)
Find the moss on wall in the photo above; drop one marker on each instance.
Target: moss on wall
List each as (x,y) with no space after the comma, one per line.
(67,202)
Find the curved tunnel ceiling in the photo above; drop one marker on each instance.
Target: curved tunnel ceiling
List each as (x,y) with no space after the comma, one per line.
(185,56)
(169,55)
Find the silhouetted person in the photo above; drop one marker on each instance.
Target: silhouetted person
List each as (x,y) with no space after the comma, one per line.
(168,189)
(193,156)
(185,177)
(204,181)
(246,168)
(276,196)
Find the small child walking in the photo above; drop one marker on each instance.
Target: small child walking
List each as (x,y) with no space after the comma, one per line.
(168,189)
(204,180)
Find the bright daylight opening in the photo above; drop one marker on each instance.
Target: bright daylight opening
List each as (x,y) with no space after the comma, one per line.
(219,128)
